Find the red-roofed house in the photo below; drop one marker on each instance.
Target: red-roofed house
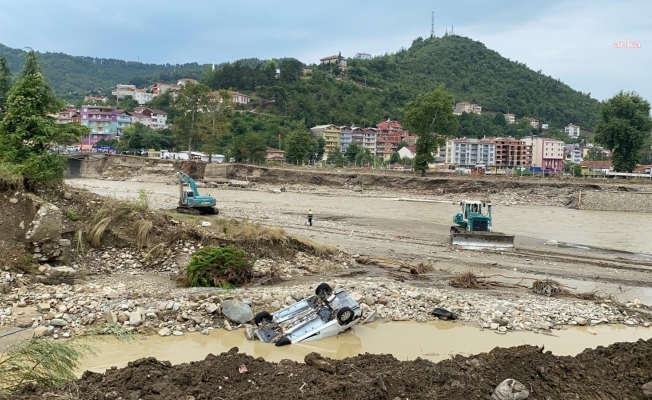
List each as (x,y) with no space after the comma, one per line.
(389,126)
(643,169)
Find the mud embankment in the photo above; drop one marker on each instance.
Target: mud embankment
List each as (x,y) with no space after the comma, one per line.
(620,371)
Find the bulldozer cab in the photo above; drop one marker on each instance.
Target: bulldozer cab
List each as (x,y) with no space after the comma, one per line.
(469,208)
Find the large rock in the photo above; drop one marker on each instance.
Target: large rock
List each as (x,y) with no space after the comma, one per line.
(110,317)
(58,322)
(165,332)
(237,311)
(647,390)
(135,318)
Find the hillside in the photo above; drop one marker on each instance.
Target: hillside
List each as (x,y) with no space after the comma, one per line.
(466,67)
(73,77)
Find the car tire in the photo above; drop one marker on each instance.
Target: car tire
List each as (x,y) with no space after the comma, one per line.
(262,317)
(324,289)
(282,342)
(345,315)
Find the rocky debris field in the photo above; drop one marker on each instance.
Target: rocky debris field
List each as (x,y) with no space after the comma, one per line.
(620,371)
(152,303)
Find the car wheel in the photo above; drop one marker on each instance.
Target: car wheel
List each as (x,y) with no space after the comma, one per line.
(282,342)
(324,290)
(262,317)
(345,315)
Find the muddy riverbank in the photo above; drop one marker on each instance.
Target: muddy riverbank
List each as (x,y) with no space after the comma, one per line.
(620,371)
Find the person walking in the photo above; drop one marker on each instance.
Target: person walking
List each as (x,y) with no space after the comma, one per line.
(310,217)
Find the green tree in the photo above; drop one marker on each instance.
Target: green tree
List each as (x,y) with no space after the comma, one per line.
(190,100)
(320,146)
(139,136)
(249,146)
(336,158)
(364,156)
(291,70)
(352,151)
(128,103)
(394,158)
(299,147)
(645,156)
(215,123)
(402,144)
(499,120)
(596,153)
(27,131)
(432,119)
(5,84)
(626,124)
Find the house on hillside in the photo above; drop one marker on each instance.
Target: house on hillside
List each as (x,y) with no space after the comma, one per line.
(186,80)
(333,60)
(239,98)
(363,56)
(572,130)
(142,96)
(510,118)
(534,123)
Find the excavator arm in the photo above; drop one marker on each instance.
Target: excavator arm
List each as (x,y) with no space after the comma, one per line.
(185,178)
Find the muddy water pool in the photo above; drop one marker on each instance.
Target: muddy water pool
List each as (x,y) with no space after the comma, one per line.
(434,341)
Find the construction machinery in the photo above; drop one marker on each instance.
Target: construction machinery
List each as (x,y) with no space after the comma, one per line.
(190,201)
(473,230)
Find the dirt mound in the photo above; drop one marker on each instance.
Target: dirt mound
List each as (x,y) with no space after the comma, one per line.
(615,372)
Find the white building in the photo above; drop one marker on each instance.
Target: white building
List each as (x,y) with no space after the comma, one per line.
(466,107)
(471,152)
(407,152)
(510,118)
(572,130)
(142,97)
(573,153)
(239,98)
(122,91)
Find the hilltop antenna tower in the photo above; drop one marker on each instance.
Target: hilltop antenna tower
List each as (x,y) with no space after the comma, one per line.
(432,25)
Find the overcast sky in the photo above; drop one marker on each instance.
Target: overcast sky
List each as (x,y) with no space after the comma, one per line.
(570,40)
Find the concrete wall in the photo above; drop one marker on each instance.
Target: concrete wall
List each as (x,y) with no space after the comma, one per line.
(616,201)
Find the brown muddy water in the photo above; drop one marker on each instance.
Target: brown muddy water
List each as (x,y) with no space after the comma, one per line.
(600,229)
(434,341)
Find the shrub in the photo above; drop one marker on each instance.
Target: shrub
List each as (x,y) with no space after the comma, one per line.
(72,215)
(219,266)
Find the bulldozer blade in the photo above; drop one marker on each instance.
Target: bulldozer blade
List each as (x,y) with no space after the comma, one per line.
(482,240)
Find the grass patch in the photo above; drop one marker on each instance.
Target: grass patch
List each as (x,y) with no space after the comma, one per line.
(219,267)
(72,215)
(9,178)
(318,249)
(21,262)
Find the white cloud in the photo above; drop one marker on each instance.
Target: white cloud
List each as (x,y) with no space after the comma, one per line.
(575,42)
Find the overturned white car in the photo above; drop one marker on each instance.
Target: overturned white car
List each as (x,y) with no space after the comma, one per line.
(327,313)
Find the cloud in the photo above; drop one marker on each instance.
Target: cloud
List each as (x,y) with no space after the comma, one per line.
(575,42)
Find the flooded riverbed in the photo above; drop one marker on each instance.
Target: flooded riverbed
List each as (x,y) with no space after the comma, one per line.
(434,341)
(602,229)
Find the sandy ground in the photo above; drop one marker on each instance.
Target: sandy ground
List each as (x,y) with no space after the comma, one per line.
(602,253)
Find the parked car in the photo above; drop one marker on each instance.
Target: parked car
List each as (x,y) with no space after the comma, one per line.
(327,313)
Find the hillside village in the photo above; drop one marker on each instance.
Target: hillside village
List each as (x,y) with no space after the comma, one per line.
(393,145)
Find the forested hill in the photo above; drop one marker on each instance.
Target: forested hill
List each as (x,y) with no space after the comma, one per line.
(466,67)
(73,77)
(476,74)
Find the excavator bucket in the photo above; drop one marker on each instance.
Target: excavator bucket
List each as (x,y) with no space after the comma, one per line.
(465,240)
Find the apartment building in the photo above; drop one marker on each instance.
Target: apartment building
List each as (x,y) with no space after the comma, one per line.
(512,153)
(573,153)
(332,138)
(102,120)
(122,91)
(158,118)
(123,120)
(318,130)
(547,154)
(470,152)
(510,118)
(345,138)
(572,130)
(142,96)
(369,141)
(389,126)
(68,116)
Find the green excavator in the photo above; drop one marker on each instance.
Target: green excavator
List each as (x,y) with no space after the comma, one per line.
(190,201)
(473,229)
